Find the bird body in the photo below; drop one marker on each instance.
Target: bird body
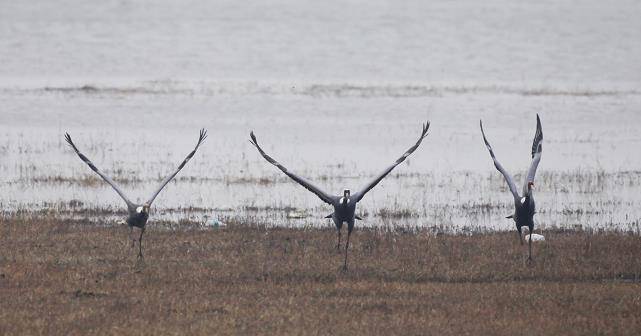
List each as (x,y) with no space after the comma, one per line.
(139,217)
(524,211)
(344,212)
(344,209)
(345,205)
(138,214)
(524,205)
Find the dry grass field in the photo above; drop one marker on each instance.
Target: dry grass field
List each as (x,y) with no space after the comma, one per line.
(66,277)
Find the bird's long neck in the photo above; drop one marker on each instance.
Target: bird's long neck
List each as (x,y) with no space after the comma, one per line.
(143,209)
(345,200)
(529,198)
(529,193)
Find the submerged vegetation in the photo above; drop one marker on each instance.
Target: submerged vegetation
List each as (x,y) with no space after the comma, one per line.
(456,201)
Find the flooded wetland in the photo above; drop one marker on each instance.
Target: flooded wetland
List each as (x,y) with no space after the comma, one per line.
(336,91)
(588,176)
(332,101)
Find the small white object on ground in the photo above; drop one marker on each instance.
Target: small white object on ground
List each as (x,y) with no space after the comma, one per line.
(214,223)
(297,214)
(535,237)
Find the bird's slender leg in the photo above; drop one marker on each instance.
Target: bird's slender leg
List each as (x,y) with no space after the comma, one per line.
(339,226)
(131,236)
(346,248)
(142,231)
(529,258)
(349,233)
(518,232)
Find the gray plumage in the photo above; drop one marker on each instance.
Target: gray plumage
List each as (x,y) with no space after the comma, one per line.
(524,206)
(345,205)
(138,214)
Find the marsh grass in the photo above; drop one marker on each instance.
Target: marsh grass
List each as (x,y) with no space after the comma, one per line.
(396,213)
(461,200)
(67,277)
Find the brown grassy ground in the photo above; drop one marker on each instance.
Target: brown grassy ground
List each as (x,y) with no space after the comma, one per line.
(69,278)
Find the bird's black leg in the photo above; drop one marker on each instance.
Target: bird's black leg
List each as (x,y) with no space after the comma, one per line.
(339,226)
(529,258)
(518,231)
(349,233)
(142,231)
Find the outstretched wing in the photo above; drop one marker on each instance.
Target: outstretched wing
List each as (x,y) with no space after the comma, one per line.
(130,205)
(201,138)
(508,178)
(308,185)
(537,150)
(359,195)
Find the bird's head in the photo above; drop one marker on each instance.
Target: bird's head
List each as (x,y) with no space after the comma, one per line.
(530,186)
(345,199)
(143,208)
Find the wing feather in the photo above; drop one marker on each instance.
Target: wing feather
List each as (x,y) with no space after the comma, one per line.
(201,138)
(106,178)
(359,195)
(325,197)
(499,167)
(537,151)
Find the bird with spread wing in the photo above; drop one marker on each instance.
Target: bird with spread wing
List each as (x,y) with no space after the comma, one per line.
(138,213)
(524,207)
(345,205)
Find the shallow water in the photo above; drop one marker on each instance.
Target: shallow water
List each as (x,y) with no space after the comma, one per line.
(335,93)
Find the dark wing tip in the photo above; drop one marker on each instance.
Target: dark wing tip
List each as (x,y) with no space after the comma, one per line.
(426,127)
(482,131)
(254,141)
(203,135)
(69,141)
(481,125)
(537,144)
